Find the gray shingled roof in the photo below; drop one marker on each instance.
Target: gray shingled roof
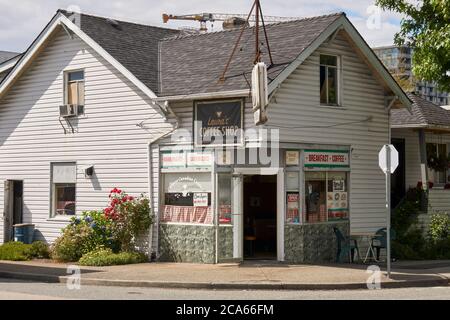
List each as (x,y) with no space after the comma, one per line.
(194,64)
(135,46)
(424,113)
(7,55)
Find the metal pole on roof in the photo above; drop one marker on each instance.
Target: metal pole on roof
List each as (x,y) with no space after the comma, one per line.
(265,35)
(257,51)
(222,77)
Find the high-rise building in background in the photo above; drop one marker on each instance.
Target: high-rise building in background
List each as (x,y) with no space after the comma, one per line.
(397,60)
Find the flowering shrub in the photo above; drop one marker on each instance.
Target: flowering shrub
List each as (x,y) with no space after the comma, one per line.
(83,235)
(439,227)
(115,228)
(131,217)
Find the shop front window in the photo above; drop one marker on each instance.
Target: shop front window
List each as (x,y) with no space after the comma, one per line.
(315,197)
(292,197)
(187,198)
(326,196)
(224,195)
(337,196)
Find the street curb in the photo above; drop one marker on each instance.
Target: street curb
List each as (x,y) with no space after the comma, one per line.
(30,276)
(443,281)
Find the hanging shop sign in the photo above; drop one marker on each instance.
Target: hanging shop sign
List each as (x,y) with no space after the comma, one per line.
(218,123)
(326,158)
(292,157)
(186,159)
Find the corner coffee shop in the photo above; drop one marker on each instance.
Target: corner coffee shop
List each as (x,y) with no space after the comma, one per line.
(235,182)
(271,200)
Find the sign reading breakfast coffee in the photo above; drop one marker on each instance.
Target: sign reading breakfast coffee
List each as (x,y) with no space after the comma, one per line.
(326,158)
(218,123)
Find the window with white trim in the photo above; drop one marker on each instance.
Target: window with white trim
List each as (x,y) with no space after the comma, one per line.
(74,88)
(329,80)
(63,188)
(187,198)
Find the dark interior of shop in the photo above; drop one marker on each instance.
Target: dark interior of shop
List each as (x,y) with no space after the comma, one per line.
(260,211)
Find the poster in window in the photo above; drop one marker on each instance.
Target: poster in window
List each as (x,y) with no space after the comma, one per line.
(339,185)
(292,214)
(337,200)
(200,199)
(292,157)
(218,123)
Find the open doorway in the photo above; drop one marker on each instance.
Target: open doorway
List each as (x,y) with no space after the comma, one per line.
(13,207)
(260,217)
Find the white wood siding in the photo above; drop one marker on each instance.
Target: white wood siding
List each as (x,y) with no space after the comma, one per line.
(31,136)
(439,200)
(298,106)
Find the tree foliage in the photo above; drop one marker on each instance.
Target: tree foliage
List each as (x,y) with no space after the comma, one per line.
(426,28)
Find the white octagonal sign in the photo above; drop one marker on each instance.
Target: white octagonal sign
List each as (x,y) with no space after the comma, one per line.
(383,158)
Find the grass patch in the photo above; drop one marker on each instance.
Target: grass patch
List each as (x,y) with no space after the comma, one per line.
(105,257)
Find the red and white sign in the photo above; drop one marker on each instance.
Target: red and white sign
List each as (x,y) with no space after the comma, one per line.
(326,158)
(200,199)
(173,160)
(182,159)
(199,159)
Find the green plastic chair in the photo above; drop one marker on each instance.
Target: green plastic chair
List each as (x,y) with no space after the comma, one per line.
(379,241)
(345,245)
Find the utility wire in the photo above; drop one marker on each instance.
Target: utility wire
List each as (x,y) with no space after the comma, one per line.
(321,127)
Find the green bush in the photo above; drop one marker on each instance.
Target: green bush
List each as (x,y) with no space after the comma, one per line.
(439,229)
(117,227)
(15,251)
(105,257)
(83,235)
(40,250)
(409,242)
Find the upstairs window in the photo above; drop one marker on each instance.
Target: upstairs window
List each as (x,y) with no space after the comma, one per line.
(74,88)
(329,80)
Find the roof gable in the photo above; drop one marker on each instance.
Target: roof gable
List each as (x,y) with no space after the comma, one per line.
(7,55)
(423,114)
(122,52)
(133,45)
(194,64)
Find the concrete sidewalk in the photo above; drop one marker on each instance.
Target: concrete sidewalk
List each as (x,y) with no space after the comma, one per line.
(249,275)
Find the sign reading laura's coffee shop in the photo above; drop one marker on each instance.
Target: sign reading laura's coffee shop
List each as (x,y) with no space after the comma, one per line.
(218,123)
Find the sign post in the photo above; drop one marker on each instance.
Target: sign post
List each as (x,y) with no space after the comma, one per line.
(388,162)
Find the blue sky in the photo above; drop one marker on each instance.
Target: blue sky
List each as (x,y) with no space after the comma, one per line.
(21,21)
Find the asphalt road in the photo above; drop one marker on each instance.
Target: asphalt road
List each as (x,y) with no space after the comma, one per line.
(24,290)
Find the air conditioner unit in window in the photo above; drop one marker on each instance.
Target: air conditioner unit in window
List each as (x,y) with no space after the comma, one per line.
(70,110)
